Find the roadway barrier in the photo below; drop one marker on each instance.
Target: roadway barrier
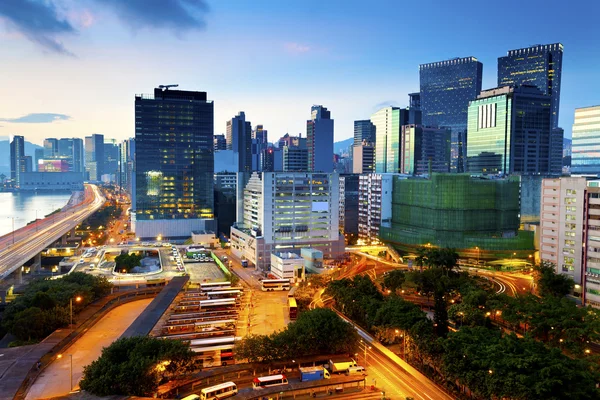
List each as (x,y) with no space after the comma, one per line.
(221,265)
(65,343)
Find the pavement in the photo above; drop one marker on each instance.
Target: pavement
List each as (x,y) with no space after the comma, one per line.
(55,379)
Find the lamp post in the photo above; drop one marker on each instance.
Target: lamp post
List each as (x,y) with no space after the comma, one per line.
(71,372)
(365,349)
(477,248)
(77,299)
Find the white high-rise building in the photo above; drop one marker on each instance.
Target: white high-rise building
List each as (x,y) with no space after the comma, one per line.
(374,204)
(287,211)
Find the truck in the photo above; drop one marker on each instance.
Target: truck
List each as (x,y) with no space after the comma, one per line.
(313,374)
(341,364)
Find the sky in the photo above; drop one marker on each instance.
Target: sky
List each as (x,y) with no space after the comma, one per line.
(70,68)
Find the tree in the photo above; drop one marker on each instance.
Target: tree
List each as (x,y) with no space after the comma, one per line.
(127,261)
(550,283)
(135,366)
(394,280)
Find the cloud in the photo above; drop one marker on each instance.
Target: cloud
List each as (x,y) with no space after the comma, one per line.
(387,103)
(296,48)
(37,118)
(178,15)
(38,21)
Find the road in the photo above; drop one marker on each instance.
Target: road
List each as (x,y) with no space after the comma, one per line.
(55,379)
(32,239)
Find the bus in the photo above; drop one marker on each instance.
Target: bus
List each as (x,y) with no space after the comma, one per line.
(224,294)
(212,341)
(293,307)
(268,381)
(220,391)
(268,285)
(292,292)
(207,287)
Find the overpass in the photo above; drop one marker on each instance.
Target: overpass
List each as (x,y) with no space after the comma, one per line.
(20,246)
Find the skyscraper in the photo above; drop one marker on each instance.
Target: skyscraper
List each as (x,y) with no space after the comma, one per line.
(111,160)
(364,130)
(38,155)
(446,87)
(173,164)
(94,156)
(510,132)
(50,148)
(17,159)
(71,150)
(259,143)
(239,139)
(388,124)
(319,140)
(424,150)
(220,143)
(585,157)
(538,65)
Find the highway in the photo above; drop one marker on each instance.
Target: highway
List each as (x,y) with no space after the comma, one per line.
(32,239)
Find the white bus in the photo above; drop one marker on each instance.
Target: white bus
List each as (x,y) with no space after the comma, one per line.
(268,381)
(212,341)
(221,391)
(216,303)
(207,287)
(224,294)
(268,285)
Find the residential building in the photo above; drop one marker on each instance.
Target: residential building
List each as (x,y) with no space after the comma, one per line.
(374,205)
(363,158)
(349,203)
(388,124)
(220,143)
(286,211)
(17,159)
(585,148)
(424,150)
(446,87)
(538,65)
(50,148)
(287,265)
(239,139)
(478,217)
(364,131)
(94,157)
(510,133)
(319,140)
(173,164)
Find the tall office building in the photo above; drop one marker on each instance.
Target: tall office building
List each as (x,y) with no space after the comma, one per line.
(260,134)
(239,139)
(125,164)
(71,150)
(585,148)
(446,87)
(94,157)
(173,164)
(414,100)
(295,158)
(364,131)
(220,143)
(319,140)
(363,158)
(17,159)
(424,150)
(539,65)
(388,124)
(111,161)
(510,133)
(50,148)
(38,155)
(259,144)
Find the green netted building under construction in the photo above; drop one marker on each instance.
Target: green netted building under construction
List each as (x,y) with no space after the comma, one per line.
(476,216)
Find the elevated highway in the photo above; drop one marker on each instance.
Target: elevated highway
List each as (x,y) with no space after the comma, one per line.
(20,246)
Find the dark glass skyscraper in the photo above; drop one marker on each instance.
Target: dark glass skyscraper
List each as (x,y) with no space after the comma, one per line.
(239,139)
(446,87)
(94,156)
(319,140)
(364,130)
(17,159)
(539,65)
(173,163)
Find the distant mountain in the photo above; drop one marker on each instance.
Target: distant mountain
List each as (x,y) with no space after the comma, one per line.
(340,147)
(5,153)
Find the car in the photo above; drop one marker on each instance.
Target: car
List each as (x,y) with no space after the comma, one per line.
(92,266)
(81,261)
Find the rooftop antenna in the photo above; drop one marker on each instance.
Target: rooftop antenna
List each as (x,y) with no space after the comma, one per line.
(167,86)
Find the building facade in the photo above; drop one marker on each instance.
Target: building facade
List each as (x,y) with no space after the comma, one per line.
(295,159)
(319,140)
(388,124)
(363,159)
(364,131)
(424,150)
(239,139)
(50,148)
(540,66)
(17,159)
(285,212)
(220,143)
(349,203)
(173,164)
(446,87)
(286,265)
(94,157)
(374,205)
(585,148)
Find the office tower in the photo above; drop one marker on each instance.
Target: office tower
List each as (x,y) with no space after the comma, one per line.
(446,87)
(17,159)
(111,160)
(295,159)
(363,158)
(260,134)
(239,139)
(220,143)
(126,155)
(510,132)
(424,150)
(388,124)
(173,164)
(50,148)
(27,164)
(72,151)
(349,203)
(259,143)
(225,200)
(272,159)
(287,140)
(364,131)
(94,157)
(585,148)
(287,210)
(319,140)
(539,65)
(414,100)
(39,155)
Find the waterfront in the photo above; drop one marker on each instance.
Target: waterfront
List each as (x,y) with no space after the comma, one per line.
(25,206)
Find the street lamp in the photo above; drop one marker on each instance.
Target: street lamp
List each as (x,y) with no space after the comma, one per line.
(477,248)
(77,299)
(365,349)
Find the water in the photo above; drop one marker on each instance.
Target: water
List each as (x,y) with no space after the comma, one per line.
(22,206)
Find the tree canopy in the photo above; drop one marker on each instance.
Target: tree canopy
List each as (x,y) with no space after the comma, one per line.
(550,283)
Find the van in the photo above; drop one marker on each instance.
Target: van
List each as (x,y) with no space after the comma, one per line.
(356,370)
(191,397)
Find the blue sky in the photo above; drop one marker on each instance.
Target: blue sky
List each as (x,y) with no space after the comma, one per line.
(77,68)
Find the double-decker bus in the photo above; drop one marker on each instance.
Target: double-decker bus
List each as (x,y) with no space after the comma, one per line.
(293,308)
(224,294)
(220,391)
(268,285)
(207,287)
(268,381)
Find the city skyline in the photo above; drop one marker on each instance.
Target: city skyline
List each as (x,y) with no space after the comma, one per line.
(96,62)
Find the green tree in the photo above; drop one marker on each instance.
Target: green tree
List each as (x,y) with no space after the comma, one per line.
(394,280)
(550,283)
(127,261)
(135,366)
